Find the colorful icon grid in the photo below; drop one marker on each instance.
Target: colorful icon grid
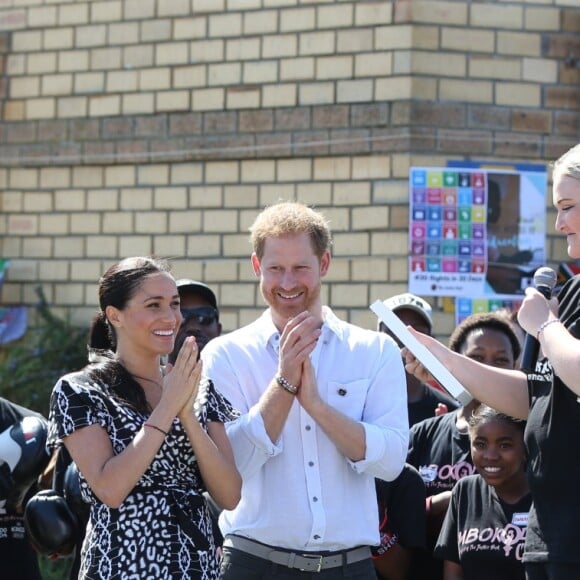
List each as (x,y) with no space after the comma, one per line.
(448,221)
(465,307)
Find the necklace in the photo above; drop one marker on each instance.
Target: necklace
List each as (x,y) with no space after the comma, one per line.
(156,383)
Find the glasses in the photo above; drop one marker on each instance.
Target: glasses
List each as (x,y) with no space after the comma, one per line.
(203,315)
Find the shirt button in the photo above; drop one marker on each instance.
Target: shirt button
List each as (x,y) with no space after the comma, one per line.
(314,498)
(316,537)
(308,427)
(311,463)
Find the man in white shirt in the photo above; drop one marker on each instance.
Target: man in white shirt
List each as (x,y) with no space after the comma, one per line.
(323,406)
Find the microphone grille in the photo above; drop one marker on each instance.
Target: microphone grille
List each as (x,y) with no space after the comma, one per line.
(545,277)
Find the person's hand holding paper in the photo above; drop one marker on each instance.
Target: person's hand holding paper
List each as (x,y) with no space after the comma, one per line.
(430,359)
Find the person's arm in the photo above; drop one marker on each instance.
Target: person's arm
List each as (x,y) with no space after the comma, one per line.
(112,476)
(375,444)
(403,527)
(502,389)
(435,510)
(255,435)
(447,545)
(394,564)
(213,453)
(214,456)
(452,571)
(346,434)
(250,442)
(297,342)
(437,504)
(274,406)
(563,352)
(558,345)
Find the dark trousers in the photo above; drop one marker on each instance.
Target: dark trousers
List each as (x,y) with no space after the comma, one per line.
(552,571)
(238,565)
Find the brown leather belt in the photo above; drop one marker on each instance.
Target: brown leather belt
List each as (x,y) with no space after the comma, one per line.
(305,561)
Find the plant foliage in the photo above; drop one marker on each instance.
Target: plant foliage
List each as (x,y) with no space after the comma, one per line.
(30,367)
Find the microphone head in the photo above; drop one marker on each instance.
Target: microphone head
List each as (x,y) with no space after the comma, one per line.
(546,277)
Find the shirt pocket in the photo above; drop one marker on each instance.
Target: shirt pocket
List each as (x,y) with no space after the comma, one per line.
(349,397)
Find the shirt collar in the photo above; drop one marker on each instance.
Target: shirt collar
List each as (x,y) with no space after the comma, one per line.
(268,333)
(332,323)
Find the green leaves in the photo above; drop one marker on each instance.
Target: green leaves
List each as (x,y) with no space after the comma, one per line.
(30,367)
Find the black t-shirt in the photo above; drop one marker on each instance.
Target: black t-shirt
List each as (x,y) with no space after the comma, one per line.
(440,453)
(401,511)
(552,438)
(425,407)
(442,456)
(18,559)
(483,533)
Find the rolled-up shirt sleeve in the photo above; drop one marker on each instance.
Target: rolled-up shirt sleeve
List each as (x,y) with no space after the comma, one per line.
(250,442)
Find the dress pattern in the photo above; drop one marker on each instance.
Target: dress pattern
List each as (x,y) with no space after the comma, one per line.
(163,529)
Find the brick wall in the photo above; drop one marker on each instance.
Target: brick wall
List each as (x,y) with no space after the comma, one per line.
(142,126)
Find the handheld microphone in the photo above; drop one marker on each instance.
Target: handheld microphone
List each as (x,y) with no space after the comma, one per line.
(544,282)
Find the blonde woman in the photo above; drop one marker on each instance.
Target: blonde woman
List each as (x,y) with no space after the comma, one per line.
(548,398)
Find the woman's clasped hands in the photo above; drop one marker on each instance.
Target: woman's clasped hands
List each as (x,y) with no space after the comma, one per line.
(181,381)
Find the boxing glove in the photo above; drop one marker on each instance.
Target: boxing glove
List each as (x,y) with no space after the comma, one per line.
(52,526)
(73,496)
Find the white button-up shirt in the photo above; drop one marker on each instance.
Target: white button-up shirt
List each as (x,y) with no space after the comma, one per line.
(300,492)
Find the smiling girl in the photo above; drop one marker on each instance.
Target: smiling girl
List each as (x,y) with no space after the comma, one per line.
(485,527)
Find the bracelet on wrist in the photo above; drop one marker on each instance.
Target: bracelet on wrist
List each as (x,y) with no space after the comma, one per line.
(544,325)
(286,385)
(151,426)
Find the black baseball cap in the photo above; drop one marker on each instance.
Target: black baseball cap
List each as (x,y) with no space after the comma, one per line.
(198,288)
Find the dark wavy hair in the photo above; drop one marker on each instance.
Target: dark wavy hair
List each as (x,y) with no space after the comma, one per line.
(484,320)
(116,288)
(484,413)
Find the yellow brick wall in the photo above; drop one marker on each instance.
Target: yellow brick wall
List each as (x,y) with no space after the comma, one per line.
(164,126)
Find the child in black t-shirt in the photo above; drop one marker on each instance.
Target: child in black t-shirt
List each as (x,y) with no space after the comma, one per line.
(439,447)
(484,530)
(402,523)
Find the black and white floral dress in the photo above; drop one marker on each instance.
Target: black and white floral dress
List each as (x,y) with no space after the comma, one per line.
(163,529)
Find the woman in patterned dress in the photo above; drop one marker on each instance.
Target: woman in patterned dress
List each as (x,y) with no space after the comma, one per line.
(147,443)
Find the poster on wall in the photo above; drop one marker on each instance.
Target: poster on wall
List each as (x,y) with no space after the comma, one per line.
(475,231)
(465,307)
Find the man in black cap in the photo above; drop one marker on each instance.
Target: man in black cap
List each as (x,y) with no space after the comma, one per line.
(200,314)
